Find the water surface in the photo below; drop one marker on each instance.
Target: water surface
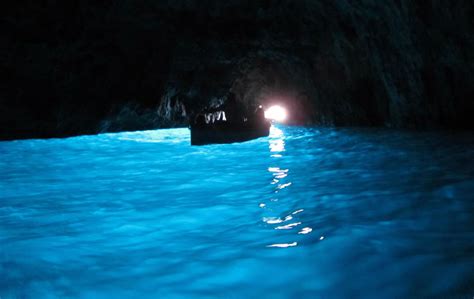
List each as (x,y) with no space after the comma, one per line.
(304,213)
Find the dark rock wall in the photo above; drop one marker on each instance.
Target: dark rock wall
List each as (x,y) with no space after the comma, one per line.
(76,67)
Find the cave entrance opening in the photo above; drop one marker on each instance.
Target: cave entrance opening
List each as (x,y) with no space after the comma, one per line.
(276,113)
(280,83)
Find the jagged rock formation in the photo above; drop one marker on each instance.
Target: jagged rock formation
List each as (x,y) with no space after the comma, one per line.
(75,67)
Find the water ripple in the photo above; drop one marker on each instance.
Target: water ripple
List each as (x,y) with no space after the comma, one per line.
(318,210)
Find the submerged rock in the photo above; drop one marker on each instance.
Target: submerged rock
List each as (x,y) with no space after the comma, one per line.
(84,67)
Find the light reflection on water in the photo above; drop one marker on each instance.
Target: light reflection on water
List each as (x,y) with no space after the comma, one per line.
(306,212)
(277,148)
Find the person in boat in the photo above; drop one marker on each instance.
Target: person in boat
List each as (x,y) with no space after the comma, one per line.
(234,111)
(199,120)
(232,115)
(260,114)
(208,117)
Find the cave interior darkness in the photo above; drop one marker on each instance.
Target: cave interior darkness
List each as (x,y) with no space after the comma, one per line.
(84,67)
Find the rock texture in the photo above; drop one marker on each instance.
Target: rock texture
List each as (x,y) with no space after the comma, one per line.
(78,67)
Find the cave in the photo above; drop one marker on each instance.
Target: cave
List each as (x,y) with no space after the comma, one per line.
(85,68)
(236,149)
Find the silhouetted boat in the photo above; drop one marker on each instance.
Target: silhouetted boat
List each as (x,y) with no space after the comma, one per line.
(223,131)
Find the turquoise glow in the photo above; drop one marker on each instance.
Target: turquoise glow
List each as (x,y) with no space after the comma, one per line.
(304,213)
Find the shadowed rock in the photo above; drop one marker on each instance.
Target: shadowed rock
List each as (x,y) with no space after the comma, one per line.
(80,67)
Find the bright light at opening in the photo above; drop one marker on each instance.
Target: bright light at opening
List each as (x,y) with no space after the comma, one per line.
(276,113)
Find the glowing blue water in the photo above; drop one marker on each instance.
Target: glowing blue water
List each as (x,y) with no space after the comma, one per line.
(305,213)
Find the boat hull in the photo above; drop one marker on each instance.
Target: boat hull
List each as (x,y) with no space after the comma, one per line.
(224,133)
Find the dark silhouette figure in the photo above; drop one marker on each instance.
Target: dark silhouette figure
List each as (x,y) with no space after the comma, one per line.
(233,109)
